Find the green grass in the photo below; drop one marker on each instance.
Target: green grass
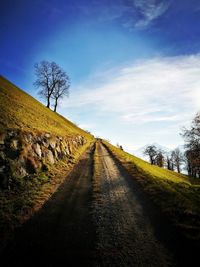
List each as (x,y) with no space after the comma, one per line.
(21,111)
(177,195)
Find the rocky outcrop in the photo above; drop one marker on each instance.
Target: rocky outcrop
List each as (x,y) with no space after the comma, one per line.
(22,153)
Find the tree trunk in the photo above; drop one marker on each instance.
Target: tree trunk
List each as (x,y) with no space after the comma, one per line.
(178,169)
(48,101)
(56,104)
(172,167)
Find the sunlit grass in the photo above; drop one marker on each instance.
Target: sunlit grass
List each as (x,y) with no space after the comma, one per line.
(21,111)
(177,195)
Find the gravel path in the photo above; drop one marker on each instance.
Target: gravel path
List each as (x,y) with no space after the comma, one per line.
(125,236)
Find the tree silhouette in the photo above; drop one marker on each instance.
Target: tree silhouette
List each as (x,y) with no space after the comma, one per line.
(151,151)
(61,90)
(52,81)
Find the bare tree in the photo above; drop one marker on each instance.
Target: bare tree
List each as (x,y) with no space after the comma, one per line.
(192,145)
(168,162)
(61,89)
(50,78)
(188,159)
(151,151)
(177,159)
(160,159)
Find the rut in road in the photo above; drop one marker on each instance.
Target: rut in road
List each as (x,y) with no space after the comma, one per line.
(125,236)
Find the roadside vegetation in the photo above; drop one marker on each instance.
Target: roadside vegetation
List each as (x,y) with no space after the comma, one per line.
(176,160)
(177,195)
(28,195)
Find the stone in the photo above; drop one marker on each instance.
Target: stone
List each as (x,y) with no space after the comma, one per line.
(37,150)
(63,146)
(11,134)
(58,150)
(52,144)
(2,138)
(22,153)
(14,144)
(49,157)
(28,138)
(55,154)
(22,172)
(47,135)
(67,151)
(2,156)
(45,142)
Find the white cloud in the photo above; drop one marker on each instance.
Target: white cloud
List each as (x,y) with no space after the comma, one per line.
(146,101)
(160,89)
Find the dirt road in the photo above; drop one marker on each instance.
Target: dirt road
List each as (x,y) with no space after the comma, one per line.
(125,235)
(92,220)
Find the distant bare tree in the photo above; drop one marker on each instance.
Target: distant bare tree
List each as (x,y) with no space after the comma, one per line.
(160,159)
(168,162)
(151,151)
(52,81)
(189,162)
(121,147)
(192,145)
(177,159)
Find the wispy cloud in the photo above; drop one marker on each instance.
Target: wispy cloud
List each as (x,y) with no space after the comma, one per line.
(150,10)
(136,14)
(150,91)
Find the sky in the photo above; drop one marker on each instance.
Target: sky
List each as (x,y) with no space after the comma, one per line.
(134,65)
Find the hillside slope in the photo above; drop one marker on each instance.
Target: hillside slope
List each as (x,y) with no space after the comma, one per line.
(21,111)
(38,148)
(177,195)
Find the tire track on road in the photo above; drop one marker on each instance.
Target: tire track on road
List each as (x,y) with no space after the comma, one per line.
(125,236)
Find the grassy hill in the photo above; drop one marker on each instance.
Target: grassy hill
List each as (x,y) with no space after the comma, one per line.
(21,111)
(23,196)
(177,195)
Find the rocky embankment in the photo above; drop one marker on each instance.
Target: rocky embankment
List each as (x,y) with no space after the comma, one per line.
(23,154)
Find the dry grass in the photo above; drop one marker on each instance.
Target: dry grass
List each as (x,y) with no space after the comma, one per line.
(177,195)
(21,111)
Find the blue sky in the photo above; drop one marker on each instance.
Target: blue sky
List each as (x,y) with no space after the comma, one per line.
(134,64)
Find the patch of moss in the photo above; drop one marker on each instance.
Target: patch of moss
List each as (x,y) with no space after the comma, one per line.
(43,178)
